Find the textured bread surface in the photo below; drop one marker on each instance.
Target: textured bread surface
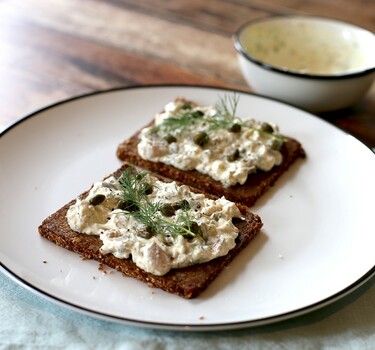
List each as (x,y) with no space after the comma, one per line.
(186,282)
(255,186)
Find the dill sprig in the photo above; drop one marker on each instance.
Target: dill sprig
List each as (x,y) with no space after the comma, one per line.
(224,118)
(225,115)
(137,204)
(186,117)
(226,107)
(180,122)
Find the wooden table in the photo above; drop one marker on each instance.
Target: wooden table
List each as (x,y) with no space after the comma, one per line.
(55,49)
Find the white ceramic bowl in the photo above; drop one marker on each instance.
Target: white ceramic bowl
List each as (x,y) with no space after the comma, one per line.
(315,63)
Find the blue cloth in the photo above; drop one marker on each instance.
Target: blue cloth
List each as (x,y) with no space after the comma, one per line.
(28,321)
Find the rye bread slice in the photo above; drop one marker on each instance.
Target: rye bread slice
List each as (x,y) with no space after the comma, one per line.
(186,282)
(248,193)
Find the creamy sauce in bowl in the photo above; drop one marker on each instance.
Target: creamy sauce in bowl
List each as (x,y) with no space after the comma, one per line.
(309,45)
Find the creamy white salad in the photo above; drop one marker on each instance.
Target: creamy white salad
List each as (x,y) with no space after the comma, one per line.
(211,140)
(192,228)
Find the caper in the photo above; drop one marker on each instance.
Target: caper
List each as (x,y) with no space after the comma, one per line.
(197,114)
(147,188)
(167,209)
(266,128)
(127,205)
(99,198)
(233,156)
(138,176)
(121,205)
(201,138)
(186,105)
(193,228)
(147,234)
(170,139)
(276,144)
(183,204)
(235,127)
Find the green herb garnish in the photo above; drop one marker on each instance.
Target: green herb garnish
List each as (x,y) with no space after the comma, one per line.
(224,118)
(183,119)
(226,109)
(135,194)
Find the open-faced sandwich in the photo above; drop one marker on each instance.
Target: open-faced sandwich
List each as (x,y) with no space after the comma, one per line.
(149,227)
(170,215)
(210,148)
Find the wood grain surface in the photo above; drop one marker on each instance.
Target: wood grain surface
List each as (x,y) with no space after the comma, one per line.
(55,49)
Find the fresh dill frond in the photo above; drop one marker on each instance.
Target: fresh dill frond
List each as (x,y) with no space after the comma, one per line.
(137,204)
(179,122)
(134,185)
(226,107)
(184,118)
(225,117)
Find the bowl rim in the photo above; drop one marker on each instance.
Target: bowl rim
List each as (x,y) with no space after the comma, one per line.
(240,50)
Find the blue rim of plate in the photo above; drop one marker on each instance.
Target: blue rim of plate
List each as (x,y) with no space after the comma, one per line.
(240,50)
(171,326)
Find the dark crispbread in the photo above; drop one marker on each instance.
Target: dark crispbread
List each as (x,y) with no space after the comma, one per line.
(186,282)
(256,185)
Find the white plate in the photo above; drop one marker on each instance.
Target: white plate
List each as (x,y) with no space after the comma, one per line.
(317,243)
